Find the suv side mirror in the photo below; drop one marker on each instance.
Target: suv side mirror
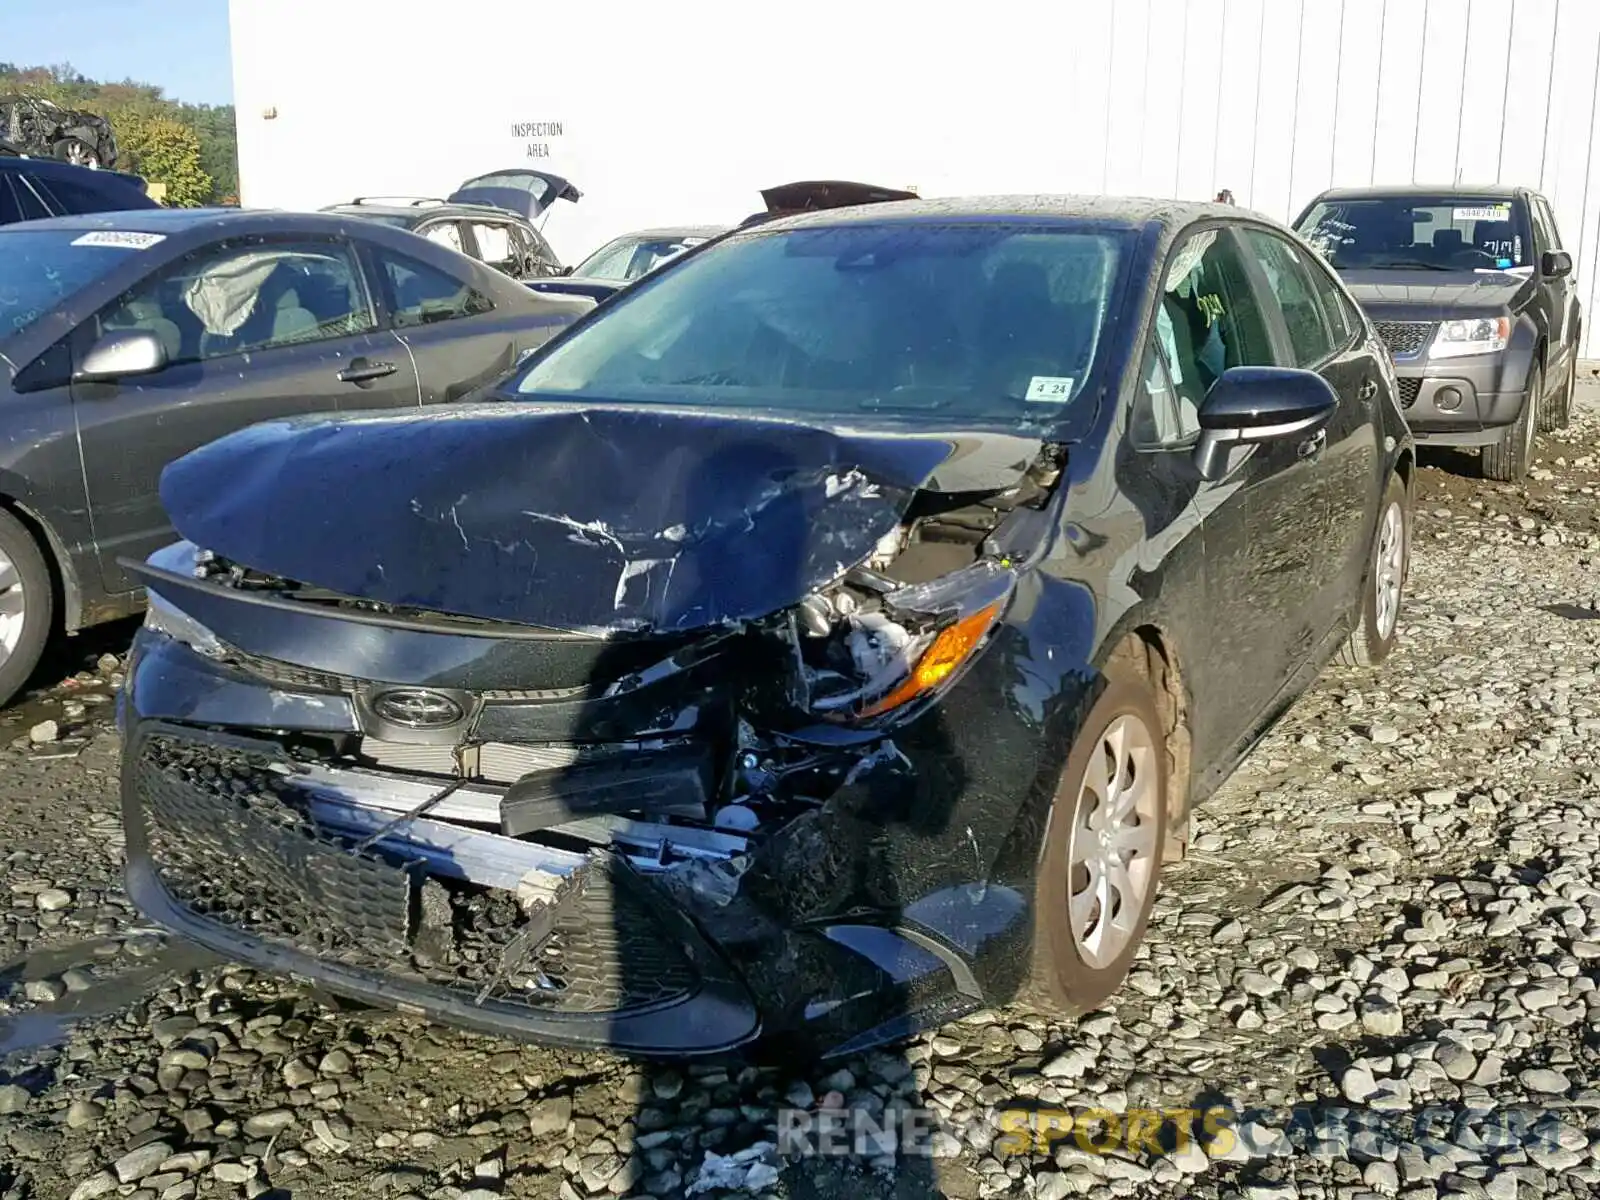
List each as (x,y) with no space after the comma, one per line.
(120,353)
(1555,264)
(1259,404)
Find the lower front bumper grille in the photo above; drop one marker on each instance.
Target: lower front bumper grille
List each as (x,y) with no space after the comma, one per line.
(241,865)
(1410,389)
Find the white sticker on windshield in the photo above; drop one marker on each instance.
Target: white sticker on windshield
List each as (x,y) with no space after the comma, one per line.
(1492,212)
(1049,389)
(125,239)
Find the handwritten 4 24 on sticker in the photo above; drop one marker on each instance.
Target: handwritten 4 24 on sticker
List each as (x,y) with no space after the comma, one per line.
(1049,389)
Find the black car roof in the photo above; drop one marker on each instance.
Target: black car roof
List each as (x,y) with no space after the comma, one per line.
(1490,191)
(180,220)
(54,168)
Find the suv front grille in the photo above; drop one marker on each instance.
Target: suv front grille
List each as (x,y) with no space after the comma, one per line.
(1409,390)
(1405,339)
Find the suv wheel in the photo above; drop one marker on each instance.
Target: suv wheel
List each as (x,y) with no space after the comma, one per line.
(1558,413)
(77,152)
(1508,459)
(1103,849)
(25,605)
(1388,565)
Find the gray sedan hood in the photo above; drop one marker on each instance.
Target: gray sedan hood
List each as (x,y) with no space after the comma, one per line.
(594,519)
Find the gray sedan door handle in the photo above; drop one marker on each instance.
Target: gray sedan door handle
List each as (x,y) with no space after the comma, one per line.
(362,370)
(1313,445)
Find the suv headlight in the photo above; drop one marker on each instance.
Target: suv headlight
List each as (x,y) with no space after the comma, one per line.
(1481,335)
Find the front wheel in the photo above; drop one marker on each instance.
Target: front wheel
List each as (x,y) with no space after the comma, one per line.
(1388,564)
(1103,849)
(1508,460)
(25,605)
(77,152)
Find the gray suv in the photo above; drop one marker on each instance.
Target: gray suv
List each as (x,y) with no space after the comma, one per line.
(1474,294)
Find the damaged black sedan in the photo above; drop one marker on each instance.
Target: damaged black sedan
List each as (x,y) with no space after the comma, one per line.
(829,637)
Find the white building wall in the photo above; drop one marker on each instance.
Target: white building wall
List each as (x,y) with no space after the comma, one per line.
(680,112)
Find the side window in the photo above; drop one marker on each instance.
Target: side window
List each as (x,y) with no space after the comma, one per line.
(446,233)
(423,295)
(32,201)
(1545,223)
(494,246)
(238,299)
(1342,323)
(70,196)
(1206,321)
(1289,280)
(10,210)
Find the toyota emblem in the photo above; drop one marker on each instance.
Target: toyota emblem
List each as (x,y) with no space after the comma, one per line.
(416,708)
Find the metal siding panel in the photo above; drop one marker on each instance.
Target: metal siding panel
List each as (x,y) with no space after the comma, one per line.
(1275,110)
(1439,98)
(1166,65)
(1092,88)
(1399,87)
(1483,94)
(1360,45)
(1527,99)
(1236,140)
(1202,95)
(1316,105)
(1125,127)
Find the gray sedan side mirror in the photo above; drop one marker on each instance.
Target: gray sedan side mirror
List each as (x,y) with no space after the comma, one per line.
(1259,404)
(121,353)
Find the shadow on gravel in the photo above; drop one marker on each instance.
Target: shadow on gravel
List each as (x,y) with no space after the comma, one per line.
(1571,612)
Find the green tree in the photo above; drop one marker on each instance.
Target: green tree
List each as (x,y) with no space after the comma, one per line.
(166,152)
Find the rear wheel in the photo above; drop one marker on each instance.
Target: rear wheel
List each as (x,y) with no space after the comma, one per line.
(1508,459)
(1103,849)
(1557,412)
(26,605)
(77,152)
(1388,564)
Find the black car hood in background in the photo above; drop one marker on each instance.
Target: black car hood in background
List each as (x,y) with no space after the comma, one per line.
(594,519)
(1433,295)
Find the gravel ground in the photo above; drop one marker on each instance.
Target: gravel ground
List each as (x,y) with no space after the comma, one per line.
(1385,945)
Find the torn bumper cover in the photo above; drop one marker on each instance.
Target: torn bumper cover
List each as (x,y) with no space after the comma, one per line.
(433,748)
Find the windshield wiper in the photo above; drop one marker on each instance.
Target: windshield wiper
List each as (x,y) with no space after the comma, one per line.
(1409,263)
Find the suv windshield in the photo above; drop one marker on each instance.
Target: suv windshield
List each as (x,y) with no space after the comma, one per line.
(1410,232)
(996,321)
(41,268)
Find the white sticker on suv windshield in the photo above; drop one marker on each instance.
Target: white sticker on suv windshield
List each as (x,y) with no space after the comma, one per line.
(125,239)
(1049,389)
(1492,212)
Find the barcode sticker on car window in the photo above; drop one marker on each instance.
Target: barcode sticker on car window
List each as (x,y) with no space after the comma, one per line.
(125,239)
(1492,212)
(1049,389)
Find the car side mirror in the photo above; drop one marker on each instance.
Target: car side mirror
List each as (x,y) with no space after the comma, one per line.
(1249,405)
(1555,264)
(121,353)
(564,271)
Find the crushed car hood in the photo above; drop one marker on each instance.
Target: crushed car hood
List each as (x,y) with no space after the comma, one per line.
(595,519)
(1433,295)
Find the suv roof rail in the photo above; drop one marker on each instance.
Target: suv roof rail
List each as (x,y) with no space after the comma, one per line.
(413,201)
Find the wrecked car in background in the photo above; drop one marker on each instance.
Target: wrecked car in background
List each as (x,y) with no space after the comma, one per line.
(627,258)
(828,636)
(32,125)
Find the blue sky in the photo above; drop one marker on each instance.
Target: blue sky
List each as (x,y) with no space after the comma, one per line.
(182,45)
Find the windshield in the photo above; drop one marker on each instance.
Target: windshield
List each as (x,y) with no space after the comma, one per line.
(630,257)
(1430,233)
(998,322)
(41,268)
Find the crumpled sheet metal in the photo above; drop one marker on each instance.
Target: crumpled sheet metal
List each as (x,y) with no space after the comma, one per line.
(593,519)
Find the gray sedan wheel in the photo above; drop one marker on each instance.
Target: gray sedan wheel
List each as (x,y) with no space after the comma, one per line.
(26,605)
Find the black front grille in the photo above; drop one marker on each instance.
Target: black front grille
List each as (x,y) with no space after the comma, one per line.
(1410,389)
(230,842)
(1405,338)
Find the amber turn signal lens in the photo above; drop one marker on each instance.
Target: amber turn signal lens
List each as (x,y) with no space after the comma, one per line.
(939,660)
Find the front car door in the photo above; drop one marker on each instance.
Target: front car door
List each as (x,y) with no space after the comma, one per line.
(1555,295)
(253,329)
(1321,334)
(494,246)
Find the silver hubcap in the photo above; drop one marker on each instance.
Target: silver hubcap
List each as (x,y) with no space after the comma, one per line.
(12,608)
(1391,569)
(1112,858)
(80,155)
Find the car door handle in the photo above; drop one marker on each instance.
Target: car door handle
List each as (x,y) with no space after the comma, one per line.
(1367,390)
(1313,446)
(361,370)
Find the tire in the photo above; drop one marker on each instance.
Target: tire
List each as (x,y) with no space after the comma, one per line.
(27,605)
(1072,973)
(1383,583)
(1507,461)
(1558,415)
(76,151)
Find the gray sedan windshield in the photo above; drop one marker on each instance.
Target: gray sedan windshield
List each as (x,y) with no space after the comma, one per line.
(997,321)
(41,268)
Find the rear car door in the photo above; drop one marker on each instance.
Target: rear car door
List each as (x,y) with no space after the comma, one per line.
(1321,334)
(253,329)
(1211,318)
(457,332)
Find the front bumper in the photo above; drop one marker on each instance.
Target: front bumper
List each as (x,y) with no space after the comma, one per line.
(1465,401)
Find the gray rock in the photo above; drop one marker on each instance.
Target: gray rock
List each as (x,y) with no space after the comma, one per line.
(1457,1062)
(100,1184)
(1544,1080)
(136,1164)
(550,1115)
(1357,1084)
(44,991)
(14,1098)
(52,900)
(335,1062)
(83,1113)
(44,732)
(1382,1177)
(233,1172)
(265,1124)
(1380,1018)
